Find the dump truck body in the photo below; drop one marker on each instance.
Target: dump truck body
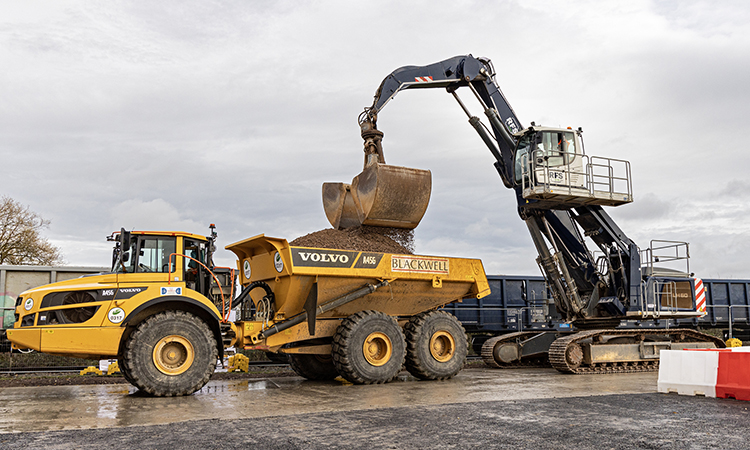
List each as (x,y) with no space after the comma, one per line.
(361,315)
(296,274)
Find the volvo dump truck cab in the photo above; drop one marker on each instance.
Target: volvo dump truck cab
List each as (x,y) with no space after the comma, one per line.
(560,194)
(156,312)
(163,311)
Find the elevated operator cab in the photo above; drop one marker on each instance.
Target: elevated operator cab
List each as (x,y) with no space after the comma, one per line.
(553,170)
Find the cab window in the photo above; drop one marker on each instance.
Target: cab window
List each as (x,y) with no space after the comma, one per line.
(557,147)
(196,250)
(522,157)
(195,274)
(147,254)
(153,254)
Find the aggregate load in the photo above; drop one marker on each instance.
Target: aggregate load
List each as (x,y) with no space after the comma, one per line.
(361,238)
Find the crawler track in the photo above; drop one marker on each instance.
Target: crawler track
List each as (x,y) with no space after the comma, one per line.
(566,354)
(488,349)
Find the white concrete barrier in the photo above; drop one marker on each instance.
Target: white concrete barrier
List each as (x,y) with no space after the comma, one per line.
(688,372)
(723,373)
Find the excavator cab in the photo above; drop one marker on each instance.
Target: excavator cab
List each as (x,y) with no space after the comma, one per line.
(553,171)
(557,156)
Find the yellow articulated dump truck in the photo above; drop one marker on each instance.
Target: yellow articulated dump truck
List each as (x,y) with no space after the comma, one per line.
(164,311)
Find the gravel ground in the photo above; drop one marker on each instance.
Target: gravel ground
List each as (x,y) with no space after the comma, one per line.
(651,421)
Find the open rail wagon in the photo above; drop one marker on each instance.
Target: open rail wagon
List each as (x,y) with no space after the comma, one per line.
(361,315)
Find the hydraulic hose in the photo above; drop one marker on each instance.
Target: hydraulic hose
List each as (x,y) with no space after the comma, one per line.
(245,293)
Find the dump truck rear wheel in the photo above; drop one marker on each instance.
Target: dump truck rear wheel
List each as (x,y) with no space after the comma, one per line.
(369,347)
(313,367)
(278,357)
(171,353)
(436,345)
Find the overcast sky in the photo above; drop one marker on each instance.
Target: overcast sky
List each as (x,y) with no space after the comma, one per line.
(177,114)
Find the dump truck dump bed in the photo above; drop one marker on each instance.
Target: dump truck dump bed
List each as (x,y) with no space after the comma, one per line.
(416,283)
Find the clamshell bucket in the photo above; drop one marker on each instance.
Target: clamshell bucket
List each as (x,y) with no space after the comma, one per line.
(382,195)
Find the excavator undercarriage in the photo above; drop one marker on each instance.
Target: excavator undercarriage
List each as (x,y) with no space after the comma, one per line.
(592,351)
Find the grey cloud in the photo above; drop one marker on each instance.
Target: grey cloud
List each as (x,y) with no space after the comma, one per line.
(236,113)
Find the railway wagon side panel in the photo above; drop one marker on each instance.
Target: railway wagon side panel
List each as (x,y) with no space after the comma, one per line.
(515,303)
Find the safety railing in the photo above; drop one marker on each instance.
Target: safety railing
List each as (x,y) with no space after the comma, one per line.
(609,177)
(673,256)
(659,297)
(668,298)
(586,180)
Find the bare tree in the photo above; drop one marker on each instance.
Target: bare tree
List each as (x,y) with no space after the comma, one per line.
(20,240)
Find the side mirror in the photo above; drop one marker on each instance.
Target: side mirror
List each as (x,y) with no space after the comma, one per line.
(124,242)
(124,239)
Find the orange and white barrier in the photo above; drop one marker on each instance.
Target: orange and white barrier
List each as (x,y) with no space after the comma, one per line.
(722,373)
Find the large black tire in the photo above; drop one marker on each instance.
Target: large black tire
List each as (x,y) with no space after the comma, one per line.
(368,348)
(125,371)
(313,367)
(436,345)
(171,353)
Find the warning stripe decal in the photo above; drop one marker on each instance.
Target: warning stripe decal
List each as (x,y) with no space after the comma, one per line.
(422,79)
(700,296)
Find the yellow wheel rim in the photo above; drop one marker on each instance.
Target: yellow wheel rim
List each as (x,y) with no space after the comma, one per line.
(173,355)
(377,348)
(442,346)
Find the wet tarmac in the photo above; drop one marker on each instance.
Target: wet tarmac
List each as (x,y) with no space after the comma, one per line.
(480,408)
(105,406)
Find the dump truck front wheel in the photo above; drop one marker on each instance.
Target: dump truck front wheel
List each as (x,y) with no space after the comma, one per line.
(436,345)
(171,353)
(125,370)
(369,347)
(313,367)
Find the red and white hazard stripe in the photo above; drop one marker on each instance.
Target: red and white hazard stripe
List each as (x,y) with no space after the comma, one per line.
(700,296)
(423,79)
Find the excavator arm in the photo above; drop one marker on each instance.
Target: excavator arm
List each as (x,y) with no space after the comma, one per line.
(460,71)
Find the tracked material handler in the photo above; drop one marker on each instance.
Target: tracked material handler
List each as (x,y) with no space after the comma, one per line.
(560,194)
(163,311)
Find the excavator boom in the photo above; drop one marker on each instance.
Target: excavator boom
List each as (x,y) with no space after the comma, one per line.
(394,196)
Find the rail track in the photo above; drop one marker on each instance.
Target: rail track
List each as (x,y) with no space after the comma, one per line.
(77,369)
(27,370)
